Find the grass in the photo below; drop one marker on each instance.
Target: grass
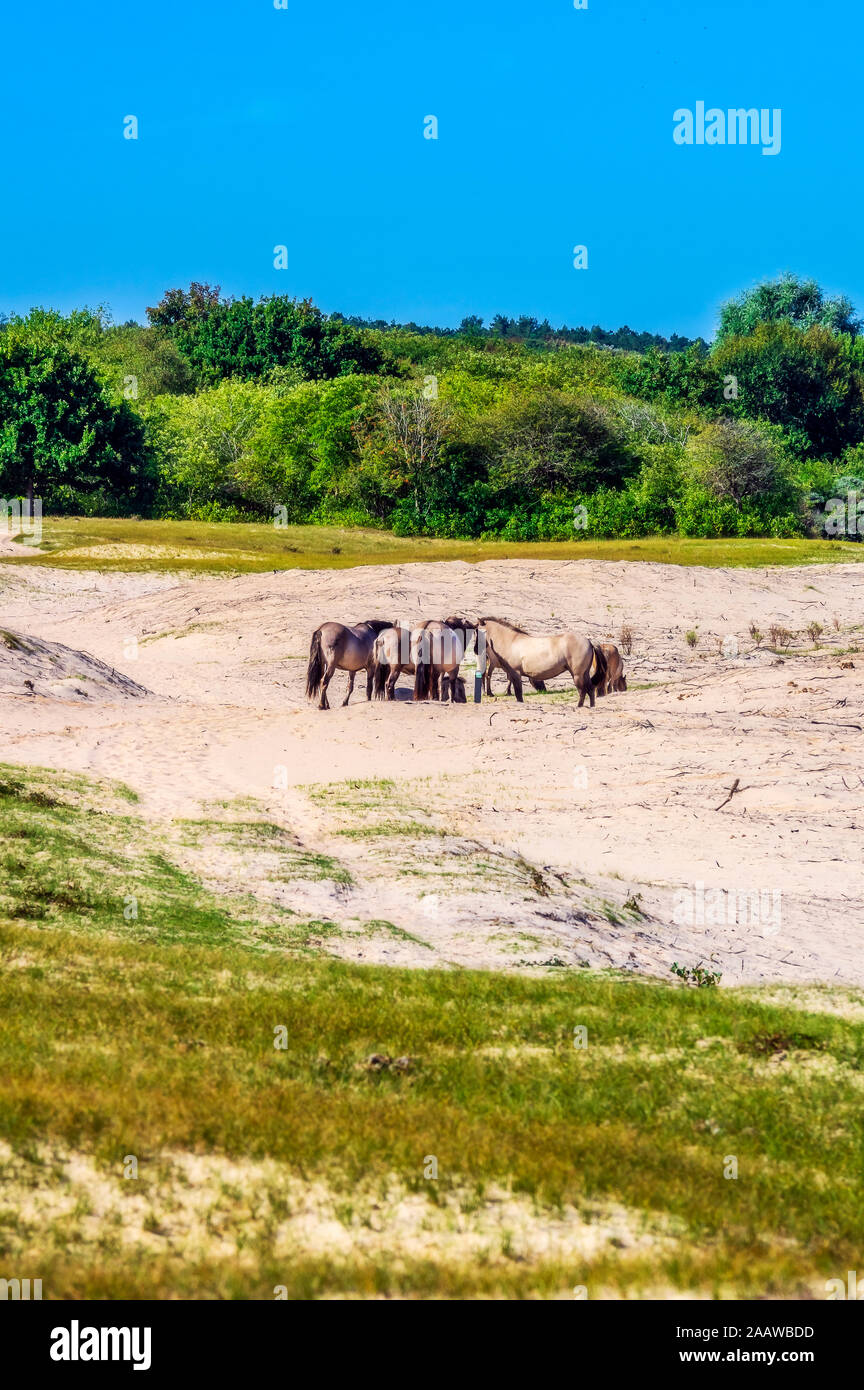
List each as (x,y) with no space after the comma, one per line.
(96,543)
(154,1037)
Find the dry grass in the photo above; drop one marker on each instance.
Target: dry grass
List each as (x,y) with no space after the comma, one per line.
(262,1166)
(96,543)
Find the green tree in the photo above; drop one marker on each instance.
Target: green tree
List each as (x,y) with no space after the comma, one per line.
(739,461)
(810,381)
(682,379)
(139,363)
(788,299)
(62,437)
(184,309)
(308,453)
(246,339)
(548,441)
(201,443)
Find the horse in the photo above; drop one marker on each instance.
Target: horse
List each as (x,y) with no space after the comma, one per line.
(335,647)
(494,664)
(436,651)
(391,655)
(542,657)
(615,677)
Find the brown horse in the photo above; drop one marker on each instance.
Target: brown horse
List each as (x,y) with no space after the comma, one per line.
(335,647)
(542,657)
(615,677)
(494,664)
(437,650)
(391,655)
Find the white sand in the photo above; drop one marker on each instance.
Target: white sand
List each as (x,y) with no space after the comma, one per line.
(614,801)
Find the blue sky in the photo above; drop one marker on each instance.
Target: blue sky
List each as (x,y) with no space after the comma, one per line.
(303,127)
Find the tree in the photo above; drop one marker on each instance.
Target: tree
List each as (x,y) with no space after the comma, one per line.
(201,442)
(809,381)
(677,378)
(62,437)
(139,363)
(415,428)
(242,338)
(788,299)
(184,308)
(548,441)
(306,454)
(738,460)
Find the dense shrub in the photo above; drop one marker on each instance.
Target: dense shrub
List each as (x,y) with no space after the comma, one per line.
(809,381)
(246,339)
(228,409)
(200,443)
(788,299)
(62,437)
(737,461)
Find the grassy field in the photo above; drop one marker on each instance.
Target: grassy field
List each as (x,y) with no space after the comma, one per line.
(137,1020)
(95,543)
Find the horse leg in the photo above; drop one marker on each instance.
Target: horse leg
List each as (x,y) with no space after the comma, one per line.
(513,678)
(583,685)
(370,676)
(391,682)
(351,675)
(324,703)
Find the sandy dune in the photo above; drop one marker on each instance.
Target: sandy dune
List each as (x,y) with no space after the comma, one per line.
(30,666)
(540,822)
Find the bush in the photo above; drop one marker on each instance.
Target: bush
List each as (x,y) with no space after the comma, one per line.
(808,381)
(200,443)
(62,435)
(801,303)
(245,339)
(737,461)
(307,452)
(549,441)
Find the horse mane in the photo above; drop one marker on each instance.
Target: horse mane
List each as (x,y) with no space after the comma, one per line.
(377,624)
(504,623)
(463,625)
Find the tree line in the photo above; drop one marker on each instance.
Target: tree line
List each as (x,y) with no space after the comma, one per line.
(229,409)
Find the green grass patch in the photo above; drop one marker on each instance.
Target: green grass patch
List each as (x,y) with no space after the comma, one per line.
(156,1036)
(91,543)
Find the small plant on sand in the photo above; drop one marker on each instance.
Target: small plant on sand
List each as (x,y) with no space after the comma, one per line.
(814,632)
(625,637)
(634,904)
(779,636)
(691,638)
(756,634)
(696,975)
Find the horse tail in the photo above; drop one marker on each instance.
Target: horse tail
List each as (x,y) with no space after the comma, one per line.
(315,669)
(599,677)
(382,671)
(422,678)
